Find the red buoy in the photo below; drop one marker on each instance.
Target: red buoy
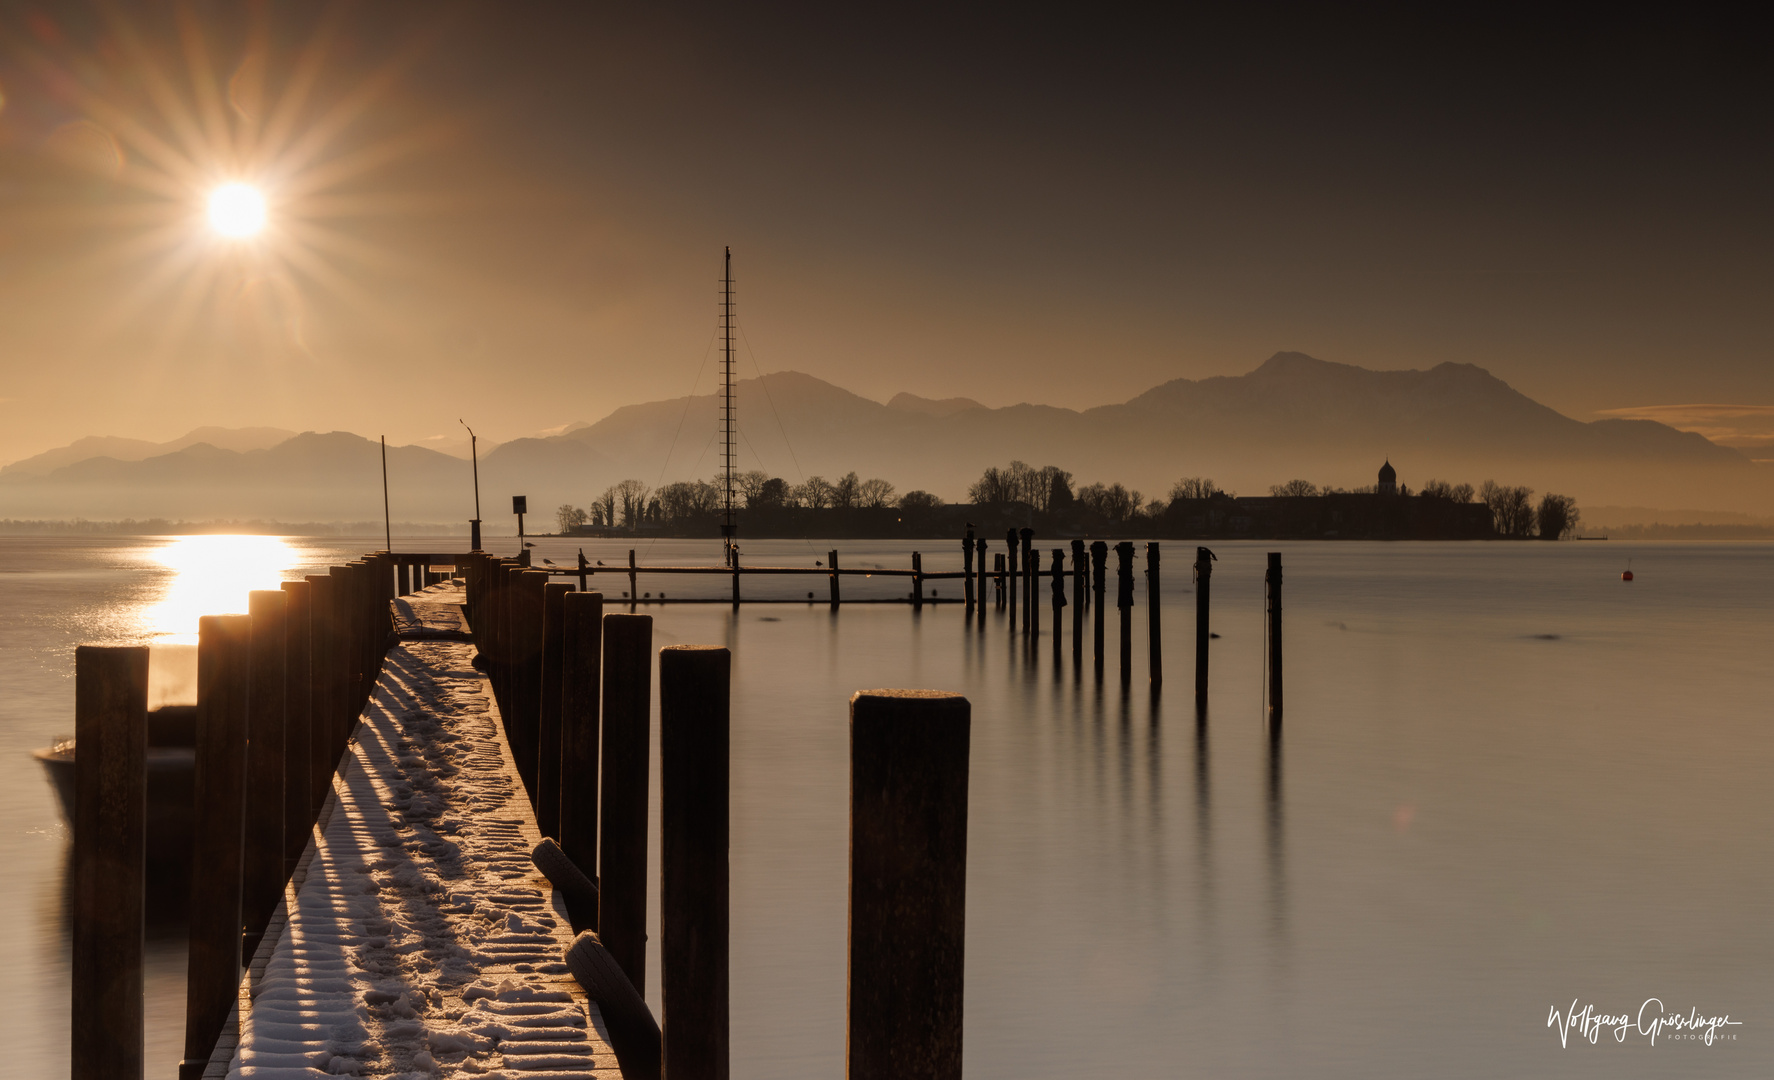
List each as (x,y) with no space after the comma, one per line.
(1626,575)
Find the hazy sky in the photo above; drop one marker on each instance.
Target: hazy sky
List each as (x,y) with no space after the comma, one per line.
(516,212)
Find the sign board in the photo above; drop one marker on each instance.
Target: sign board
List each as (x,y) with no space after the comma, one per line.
(520,504)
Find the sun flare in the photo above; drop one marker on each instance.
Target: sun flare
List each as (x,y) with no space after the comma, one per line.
(237,210)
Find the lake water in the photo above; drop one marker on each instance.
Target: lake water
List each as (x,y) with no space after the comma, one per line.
(1506,780)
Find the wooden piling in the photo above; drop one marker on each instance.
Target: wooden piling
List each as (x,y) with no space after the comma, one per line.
(525,723)
(622,857)
(967,568)
(1124,603)
(908,883)
(1010,579)
(583,569)
(1099,564)
(694,745)
(634,594)
(213,965)
(998,574)
(110,861)
(979,550)
(1030,567)
(1272,586)
(917,582)
(263,871)
(831,558)
(1154,625)
(1059,603)
(323,680)
(582,635)
(1204,560)
(348,638)
(1080,601)
(548,726)
(298,693)
(733,560)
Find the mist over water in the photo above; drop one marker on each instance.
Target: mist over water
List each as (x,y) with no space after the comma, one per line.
(1505,779)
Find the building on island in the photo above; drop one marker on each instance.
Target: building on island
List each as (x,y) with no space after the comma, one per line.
(1388,484)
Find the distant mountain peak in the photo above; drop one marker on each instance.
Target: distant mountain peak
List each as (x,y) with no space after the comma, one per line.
(938,407)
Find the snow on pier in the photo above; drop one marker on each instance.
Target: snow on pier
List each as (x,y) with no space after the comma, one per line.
(416,938)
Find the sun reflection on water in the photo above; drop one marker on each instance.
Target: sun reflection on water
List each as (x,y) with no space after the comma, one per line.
(211,576)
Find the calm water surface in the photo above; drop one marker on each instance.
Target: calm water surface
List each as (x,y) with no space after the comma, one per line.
(1506,780)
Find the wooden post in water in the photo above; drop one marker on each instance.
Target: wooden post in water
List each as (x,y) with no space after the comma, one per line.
(917,582)
(1124,602)
(1030,572)
(263,874)
(1204,560)
(831,560)
(1059,602)
(1099,564)
(622,883)
(1010,574)
(347,637)
(212,980)
(298,693)
(583,587)
(979,550)
(998,591)
(548,725)
(1154,627)
(634,593)
(693,811)
(1080,601)
(110,861)
(582,636)
(967,568)
(908,883)
(323,680)
(1272,584)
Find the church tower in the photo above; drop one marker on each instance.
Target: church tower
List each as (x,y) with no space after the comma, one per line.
(1388,484)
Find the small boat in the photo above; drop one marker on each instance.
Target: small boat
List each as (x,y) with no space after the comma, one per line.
(172,767)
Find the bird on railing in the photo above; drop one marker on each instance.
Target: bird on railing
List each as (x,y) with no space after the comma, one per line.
(600,562)
(528,544)
(818,562)
(549,562)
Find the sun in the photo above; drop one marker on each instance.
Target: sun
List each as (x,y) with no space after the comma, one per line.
(237,210)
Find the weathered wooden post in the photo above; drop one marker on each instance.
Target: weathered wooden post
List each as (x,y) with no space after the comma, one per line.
(694,745)
(582,636)
(348,637)
(917,582)
(1080,601)
(1154,626)
(1030,573)
(831,560)
(999,572)
(1010,580)
(1059,603)
(323,679)
(1099,566)
(733,561)
(1204,560)
(526,631)
(908,883)
(298,693)
(110,861)
(1272,583)
(548,724)
(979,550)
(224,645)
(634,593)
(967,568)
(622,883)
(263,874)
(1124,602)
(583,570)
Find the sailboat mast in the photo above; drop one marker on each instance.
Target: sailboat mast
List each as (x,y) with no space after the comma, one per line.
(729,529)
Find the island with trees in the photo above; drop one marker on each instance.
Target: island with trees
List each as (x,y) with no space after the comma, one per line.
(1049,500)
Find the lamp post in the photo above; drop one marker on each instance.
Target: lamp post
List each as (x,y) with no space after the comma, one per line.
(474,456)
(520,505)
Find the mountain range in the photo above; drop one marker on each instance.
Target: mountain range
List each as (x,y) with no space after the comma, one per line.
(1291,417)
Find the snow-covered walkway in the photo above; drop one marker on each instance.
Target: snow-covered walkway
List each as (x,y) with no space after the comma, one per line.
(420,940)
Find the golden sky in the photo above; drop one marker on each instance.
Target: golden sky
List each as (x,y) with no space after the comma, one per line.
(517,212)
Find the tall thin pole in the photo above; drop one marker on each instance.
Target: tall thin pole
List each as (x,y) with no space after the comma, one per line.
(387,524)
(728,529)
(474,456)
